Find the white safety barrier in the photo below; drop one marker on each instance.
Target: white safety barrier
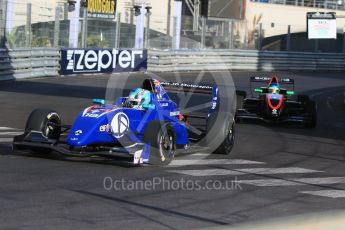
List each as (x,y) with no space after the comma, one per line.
(26,63)
(245,60)
(44,62)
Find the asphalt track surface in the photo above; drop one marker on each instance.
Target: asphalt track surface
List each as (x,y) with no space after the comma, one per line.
(273,171)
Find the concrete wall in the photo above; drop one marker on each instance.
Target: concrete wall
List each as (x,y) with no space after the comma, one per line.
(282,16)
(41,12)
(161,17)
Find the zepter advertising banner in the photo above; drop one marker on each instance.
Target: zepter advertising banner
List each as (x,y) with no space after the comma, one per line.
(102,9)
(83,61)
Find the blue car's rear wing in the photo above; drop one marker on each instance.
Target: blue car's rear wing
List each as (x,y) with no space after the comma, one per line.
(197,89)
(189,87)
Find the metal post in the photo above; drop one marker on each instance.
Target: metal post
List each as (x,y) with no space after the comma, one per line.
(74,26)
(343,41)
(196,15)
(57,26)
(139,28)
(168,17)
(147,31)
(131,18)
(316,45)
(10,14)
(231,35)
(203,32)
(28,25)
(178,15)
(288,39)
(222,29)
(260,36)
(65,11)
(118,31)
(173,45)
(246,37)
(84,29)
(2,23)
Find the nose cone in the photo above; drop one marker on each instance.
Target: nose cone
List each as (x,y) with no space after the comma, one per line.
(90,129)
(274,101)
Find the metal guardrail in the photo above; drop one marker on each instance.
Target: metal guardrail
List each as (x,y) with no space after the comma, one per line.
(245,60)
(44,62)
(26,63)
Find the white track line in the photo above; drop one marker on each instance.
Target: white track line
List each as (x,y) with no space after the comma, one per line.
(327,193)
(294,181)
(6,140)
(10,133)
(235,172)
(211,162)
(6,129)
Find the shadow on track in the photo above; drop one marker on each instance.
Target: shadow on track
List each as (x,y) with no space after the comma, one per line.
(151,207)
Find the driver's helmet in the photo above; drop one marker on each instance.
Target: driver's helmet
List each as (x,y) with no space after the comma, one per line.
(273,88)
(139,98)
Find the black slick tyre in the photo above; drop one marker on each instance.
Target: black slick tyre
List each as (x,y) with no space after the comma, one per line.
(162,139)
(46,121)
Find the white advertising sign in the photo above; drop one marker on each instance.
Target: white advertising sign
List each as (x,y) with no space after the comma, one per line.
(322,29)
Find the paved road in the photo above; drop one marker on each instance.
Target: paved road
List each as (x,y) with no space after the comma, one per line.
(274,170)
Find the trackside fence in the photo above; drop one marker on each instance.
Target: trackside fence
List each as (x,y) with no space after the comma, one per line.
(44,62)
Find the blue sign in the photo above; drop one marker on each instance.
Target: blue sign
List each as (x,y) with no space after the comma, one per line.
(83,61)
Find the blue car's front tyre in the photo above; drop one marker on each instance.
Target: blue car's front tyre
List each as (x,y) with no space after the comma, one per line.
(46,121)
(162,139)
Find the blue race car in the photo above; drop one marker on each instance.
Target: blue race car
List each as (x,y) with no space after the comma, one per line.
(146,127)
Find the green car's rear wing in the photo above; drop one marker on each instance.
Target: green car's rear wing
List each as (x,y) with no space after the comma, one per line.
(267,80)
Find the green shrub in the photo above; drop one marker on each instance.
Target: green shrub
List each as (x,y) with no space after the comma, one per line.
(95,41)
(41,42)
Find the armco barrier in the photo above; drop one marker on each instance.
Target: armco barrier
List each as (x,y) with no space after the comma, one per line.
(42,62)
(26,63)
(250,60)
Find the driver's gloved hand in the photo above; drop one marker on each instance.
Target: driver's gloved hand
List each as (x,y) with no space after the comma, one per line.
(127,104)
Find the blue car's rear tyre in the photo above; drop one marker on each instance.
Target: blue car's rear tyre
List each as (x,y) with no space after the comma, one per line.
(162,139)
(229,140)
(225,132)
(240,96)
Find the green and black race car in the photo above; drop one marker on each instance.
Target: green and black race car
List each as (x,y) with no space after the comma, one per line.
(276,104)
